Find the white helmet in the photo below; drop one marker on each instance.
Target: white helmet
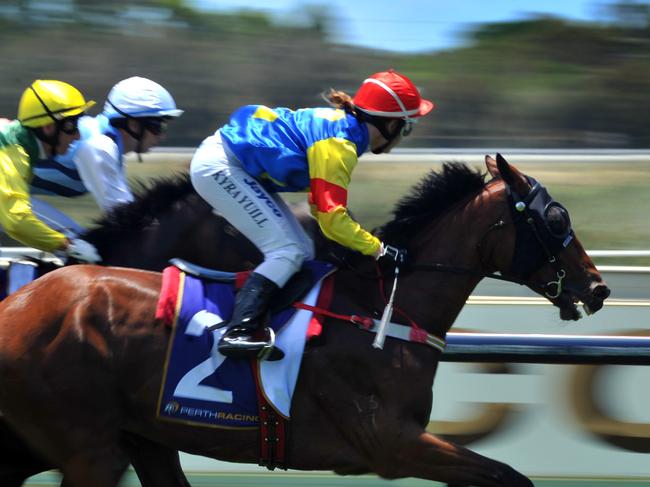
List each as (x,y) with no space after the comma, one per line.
(139,97)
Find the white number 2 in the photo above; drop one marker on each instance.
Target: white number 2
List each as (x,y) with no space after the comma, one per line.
(190,385)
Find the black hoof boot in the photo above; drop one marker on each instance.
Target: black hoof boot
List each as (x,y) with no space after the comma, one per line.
(249,343)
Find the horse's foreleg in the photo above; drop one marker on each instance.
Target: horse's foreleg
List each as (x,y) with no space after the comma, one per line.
(17,460)
(82,443)
(155,465)
(429,457)
(99,467)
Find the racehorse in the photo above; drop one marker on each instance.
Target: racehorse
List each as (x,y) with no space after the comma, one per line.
(82,363)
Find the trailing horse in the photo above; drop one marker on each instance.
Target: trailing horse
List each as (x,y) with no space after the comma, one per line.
(83,361)
(166,219)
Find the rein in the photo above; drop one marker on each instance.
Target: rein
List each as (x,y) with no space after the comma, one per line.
(561,274)
(545,288)
(435,267)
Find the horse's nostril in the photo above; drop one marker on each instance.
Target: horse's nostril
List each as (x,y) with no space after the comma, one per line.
(600,291)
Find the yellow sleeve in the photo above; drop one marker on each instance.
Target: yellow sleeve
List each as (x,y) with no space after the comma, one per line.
(331,162)
(16,216)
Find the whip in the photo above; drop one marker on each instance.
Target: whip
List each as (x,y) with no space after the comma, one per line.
(380,337)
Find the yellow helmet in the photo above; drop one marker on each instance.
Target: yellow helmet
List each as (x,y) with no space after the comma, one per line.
(48,101)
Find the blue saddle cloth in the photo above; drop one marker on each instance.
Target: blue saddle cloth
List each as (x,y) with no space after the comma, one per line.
(15,276)
(201,386)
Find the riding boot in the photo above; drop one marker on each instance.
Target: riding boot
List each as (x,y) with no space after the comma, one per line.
(247,336)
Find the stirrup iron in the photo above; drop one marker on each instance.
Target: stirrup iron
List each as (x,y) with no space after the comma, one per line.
(269,348)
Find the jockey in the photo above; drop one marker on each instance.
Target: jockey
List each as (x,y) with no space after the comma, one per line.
(135,118)
(262,151)
(48,114)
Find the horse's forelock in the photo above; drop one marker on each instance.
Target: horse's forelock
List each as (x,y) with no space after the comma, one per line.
(432,196)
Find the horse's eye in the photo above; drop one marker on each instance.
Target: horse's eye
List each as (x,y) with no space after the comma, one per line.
(557,220)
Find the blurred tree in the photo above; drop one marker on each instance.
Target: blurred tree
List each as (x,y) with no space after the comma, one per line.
(541,82)
(632,15)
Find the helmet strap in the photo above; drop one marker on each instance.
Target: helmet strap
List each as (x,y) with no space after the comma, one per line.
(381,124)
(123,123)
(50,140)
(139,138)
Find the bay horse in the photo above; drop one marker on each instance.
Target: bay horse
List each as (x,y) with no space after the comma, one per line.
(83,361)
(166,219)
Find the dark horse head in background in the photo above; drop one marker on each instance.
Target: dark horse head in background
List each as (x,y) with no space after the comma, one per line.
(168,219)
(355,409)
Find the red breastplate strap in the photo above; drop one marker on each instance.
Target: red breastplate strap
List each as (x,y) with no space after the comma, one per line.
(272,436)
(412,333)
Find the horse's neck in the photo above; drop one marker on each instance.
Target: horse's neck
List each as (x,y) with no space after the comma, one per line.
(437,298)
(432,299)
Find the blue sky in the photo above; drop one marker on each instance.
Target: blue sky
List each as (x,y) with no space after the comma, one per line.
(411,25)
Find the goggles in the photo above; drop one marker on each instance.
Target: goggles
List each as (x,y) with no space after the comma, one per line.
(557,221)
(543,229)
(69,125)
(155,125)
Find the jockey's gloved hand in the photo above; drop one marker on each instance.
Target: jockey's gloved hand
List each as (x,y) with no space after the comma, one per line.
(399,256)
(81,250)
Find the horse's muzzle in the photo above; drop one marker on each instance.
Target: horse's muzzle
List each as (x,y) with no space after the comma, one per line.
(591,297)
(598,293)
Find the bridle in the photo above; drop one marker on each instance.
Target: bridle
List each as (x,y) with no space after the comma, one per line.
(545,288)
(536,235)
(536,243)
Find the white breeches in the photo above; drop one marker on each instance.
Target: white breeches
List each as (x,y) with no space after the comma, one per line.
(263,217)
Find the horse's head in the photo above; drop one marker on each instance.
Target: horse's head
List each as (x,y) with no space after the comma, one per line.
(542,249)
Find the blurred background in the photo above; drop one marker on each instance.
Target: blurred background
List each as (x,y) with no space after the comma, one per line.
(534,74)
(560,87)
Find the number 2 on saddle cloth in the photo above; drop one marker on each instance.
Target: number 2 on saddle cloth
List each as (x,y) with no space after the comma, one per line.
(204,388)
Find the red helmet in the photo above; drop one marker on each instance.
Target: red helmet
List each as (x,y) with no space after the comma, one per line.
(390,94)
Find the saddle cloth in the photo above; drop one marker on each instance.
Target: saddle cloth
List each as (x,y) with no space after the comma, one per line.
(204,388)
(16,275)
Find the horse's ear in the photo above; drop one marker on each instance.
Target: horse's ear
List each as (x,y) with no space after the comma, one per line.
(511,175)
(491,165)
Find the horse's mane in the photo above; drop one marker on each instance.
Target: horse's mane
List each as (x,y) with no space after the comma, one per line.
(150,200)
(432,196)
